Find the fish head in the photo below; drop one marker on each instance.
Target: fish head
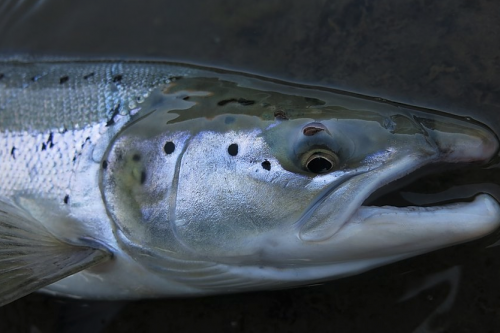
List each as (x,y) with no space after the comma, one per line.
(286,194)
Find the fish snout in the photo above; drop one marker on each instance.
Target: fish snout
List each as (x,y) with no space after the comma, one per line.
(462,141)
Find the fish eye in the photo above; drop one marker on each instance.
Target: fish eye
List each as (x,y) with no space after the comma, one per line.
(320,161)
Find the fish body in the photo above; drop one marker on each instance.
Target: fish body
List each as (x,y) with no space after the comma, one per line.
(124,180)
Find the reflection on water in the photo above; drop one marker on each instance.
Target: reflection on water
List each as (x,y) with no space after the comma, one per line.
(438,54)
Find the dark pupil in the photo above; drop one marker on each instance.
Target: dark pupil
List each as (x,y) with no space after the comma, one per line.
(319,165)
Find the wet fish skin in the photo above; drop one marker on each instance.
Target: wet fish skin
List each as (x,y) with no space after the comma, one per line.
(197,181)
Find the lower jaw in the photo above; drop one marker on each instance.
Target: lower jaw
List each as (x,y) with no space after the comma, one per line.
(390,230)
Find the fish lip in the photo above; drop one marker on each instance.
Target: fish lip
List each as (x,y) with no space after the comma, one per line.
(481,215)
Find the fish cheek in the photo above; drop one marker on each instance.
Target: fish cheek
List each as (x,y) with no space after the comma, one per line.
(121,185)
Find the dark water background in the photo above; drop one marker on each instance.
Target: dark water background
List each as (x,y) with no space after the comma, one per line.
(440,54)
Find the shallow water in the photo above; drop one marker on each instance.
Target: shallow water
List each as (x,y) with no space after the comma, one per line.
(444,55)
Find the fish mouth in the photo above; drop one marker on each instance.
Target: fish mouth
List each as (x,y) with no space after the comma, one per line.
(435,186)
(435,193)
(443,199)
(414,215)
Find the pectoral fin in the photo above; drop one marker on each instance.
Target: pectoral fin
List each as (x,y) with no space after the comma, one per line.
(31,257)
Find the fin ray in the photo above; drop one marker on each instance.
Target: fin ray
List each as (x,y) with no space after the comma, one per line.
(32,258)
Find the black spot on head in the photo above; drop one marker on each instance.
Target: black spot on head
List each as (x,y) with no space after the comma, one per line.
(13,152)
(66,199)
(44,146)
(143,177)
(117,78)
(229,120)
(88,76)
(314,101)
(240,101)
(226,101)
(63,79)
(245,102)
(104,164)
(266,165)
(169,147)
(136,157)
(233,149)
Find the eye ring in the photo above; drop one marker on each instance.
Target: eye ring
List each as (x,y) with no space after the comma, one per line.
(320,161)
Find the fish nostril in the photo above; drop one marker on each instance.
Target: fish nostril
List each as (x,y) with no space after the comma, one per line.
(310,131)
(169,147)
(314,128)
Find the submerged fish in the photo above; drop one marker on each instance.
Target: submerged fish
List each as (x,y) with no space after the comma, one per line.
(123,180)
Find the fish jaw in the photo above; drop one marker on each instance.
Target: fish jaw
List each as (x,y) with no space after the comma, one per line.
(375,236)
(388,230)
